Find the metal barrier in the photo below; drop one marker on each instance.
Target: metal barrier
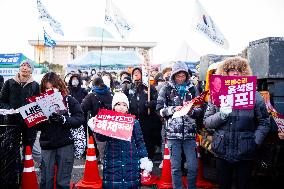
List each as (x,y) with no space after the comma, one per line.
(10,157)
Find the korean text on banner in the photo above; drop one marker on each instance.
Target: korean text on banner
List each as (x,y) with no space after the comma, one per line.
(115,124)
(237,91)
(279,119)
(32,114)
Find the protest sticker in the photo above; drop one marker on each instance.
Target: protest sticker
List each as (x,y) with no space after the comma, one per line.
(279,119)
(114,124)
(197,101)
(51,101)
(32,114)
(237,91)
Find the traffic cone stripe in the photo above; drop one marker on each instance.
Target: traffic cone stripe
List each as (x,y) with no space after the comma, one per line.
(29,170)
(91,146)
(166,156)
(91,158)
(166,145)
(28,157)
(91,178)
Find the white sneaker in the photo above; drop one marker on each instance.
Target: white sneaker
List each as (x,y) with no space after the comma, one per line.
(161,165)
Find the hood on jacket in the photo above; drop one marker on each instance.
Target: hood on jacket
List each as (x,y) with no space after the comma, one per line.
(179,67)
(79,79)
(238,63)
(17,79)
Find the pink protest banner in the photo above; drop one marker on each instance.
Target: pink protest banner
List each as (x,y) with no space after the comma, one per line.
(32,114)
(115,124)
(238,91)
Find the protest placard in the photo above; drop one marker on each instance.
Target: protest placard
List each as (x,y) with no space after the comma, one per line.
(32,114)
(114,124)
(51,101)
(199,100)
(279,119)
(237,91)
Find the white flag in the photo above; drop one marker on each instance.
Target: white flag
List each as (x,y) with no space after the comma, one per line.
(115,18)
(204,24)
(45,16)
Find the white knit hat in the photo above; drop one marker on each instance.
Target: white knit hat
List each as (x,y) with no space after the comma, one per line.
(119,97)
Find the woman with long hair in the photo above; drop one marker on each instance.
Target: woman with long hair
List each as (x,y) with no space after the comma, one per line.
(55,139)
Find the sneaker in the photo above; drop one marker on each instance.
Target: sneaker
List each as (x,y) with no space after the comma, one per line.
(161,165)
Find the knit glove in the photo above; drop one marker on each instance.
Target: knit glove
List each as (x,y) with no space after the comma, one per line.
(225,111)
(92,123)
(146,164)
(56,118)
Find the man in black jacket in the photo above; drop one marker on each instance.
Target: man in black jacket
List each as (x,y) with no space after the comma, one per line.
(101,97)
(13,96)
(137,94)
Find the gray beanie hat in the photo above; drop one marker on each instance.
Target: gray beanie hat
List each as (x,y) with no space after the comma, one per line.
(29,62)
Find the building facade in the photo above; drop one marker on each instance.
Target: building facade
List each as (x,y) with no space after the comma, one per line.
(66,51)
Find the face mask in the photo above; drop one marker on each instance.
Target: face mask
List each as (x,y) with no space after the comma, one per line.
(75,82)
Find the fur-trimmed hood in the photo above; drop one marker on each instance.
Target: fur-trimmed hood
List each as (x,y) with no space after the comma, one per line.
(238,63)
(17,79)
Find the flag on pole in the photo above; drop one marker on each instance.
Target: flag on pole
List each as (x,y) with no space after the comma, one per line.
(115,18)
(48,41)
(205,25)
(45,16)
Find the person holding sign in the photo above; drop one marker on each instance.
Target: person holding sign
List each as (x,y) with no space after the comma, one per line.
(13,95)
(237,132)
(122,158)
(55,138)
(180,130)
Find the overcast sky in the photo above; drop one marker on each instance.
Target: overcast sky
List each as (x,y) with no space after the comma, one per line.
(164,21)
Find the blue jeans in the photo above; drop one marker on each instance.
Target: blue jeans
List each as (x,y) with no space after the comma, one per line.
(189,147)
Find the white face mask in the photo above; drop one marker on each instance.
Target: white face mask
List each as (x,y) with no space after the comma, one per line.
(75,82)
(121,107)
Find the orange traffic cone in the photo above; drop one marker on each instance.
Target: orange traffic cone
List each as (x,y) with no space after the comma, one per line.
(165,180)
(91,179)
(201,182)
(29,178)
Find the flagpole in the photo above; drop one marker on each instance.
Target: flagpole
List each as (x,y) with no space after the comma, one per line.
(102,41)
(38,48)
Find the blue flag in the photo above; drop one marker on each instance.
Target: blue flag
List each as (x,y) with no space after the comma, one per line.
(48,41)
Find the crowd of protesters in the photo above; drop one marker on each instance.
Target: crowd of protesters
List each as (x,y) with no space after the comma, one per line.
(237,133)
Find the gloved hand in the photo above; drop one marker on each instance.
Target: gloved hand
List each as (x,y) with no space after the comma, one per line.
(225,111)
(146,164)
(57,118)
(92,123)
